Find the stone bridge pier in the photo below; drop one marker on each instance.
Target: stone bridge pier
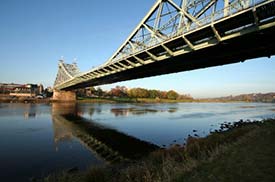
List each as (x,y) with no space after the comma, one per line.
(62,95)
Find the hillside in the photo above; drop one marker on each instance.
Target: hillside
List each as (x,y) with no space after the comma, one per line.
(253,97)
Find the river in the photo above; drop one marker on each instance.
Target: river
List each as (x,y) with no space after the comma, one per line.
(38,139)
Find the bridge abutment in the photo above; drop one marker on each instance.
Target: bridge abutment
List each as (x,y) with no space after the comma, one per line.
(61,95)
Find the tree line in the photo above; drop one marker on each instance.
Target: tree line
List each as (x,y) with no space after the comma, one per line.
(124,92)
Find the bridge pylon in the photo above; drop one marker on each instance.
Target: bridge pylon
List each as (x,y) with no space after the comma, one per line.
(64,96)
(65,73)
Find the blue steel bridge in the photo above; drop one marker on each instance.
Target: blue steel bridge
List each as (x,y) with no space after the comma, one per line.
(187,35)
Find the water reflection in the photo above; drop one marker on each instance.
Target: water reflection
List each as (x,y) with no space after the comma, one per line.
(194,115)
(133,111)
(29,111)
(172,109)
(29,115)
(109,144)
(247,107)
(140,110)
(75,132)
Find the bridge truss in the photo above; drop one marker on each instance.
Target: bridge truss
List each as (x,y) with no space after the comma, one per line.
(175,28)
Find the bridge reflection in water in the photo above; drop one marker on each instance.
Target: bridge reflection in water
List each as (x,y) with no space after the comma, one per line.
(106,143)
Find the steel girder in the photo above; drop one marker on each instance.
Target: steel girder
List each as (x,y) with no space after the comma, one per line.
(171,29)
(65,72)
(167,19)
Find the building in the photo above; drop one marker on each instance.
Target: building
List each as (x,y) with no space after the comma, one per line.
(40,89)
(7,88)
(27,90)
(20,90)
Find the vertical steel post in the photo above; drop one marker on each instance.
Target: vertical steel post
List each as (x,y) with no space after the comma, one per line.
(226,7)
(157,21)
(181,20)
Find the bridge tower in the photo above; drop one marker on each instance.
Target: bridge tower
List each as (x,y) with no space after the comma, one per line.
(65,73)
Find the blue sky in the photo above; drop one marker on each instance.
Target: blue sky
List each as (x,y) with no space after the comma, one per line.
(34,34)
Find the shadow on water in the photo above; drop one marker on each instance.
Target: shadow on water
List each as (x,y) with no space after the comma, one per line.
(109,144)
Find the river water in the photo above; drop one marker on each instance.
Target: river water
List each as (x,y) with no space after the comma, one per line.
(37,139)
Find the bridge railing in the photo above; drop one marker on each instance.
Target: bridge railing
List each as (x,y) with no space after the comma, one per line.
(233,8)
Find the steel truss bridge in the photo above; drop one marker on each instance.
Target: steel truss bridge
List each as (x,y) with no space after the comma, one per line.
(187,35)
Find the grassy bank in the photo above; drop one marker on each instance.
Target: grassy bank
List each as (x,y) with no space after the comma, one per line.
(9,99)
(244,152)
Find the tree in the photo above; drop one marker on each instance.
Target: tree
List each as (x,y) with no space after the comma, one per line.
(90,91)
(172,95)
(118,91)
(185,97)
(81,92)
(99,92)
(154,94)
(163,94)
(138,93)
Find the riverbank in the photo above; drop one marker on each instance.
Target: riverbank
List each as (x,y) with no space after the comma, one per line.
(10,99)
(243,151)
(157,100)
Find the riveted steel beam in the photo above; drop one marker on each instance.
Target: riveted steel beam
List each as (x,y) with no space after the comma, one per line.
(217,35)
(188,42)
(169,51)
(131,63)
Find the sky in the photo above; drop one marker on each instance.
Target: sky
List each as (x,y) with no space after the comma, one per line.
(35,34)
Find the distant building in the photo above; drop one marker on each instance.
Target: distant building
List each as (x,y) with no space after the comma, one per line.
(48,92)
(7,88)
(28,90)
(20,90)
(40,89)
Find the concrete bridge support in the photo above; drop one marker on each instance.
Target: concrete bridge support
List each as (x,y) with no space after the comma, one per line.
(61,95)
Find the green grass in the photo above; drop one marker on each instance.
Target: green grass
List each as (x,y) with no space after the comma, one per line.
(245,152)
(251,158)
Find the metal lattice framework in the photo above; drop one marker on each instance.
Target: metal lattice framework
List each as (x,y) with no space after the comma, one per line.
(66,72)
(176,28)
(166,20)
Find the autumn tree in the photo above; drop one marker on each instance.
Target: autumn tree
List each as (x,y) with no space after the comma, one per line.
(118,91)
(163,94)
(171,94)
(154,94)
(138,93)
